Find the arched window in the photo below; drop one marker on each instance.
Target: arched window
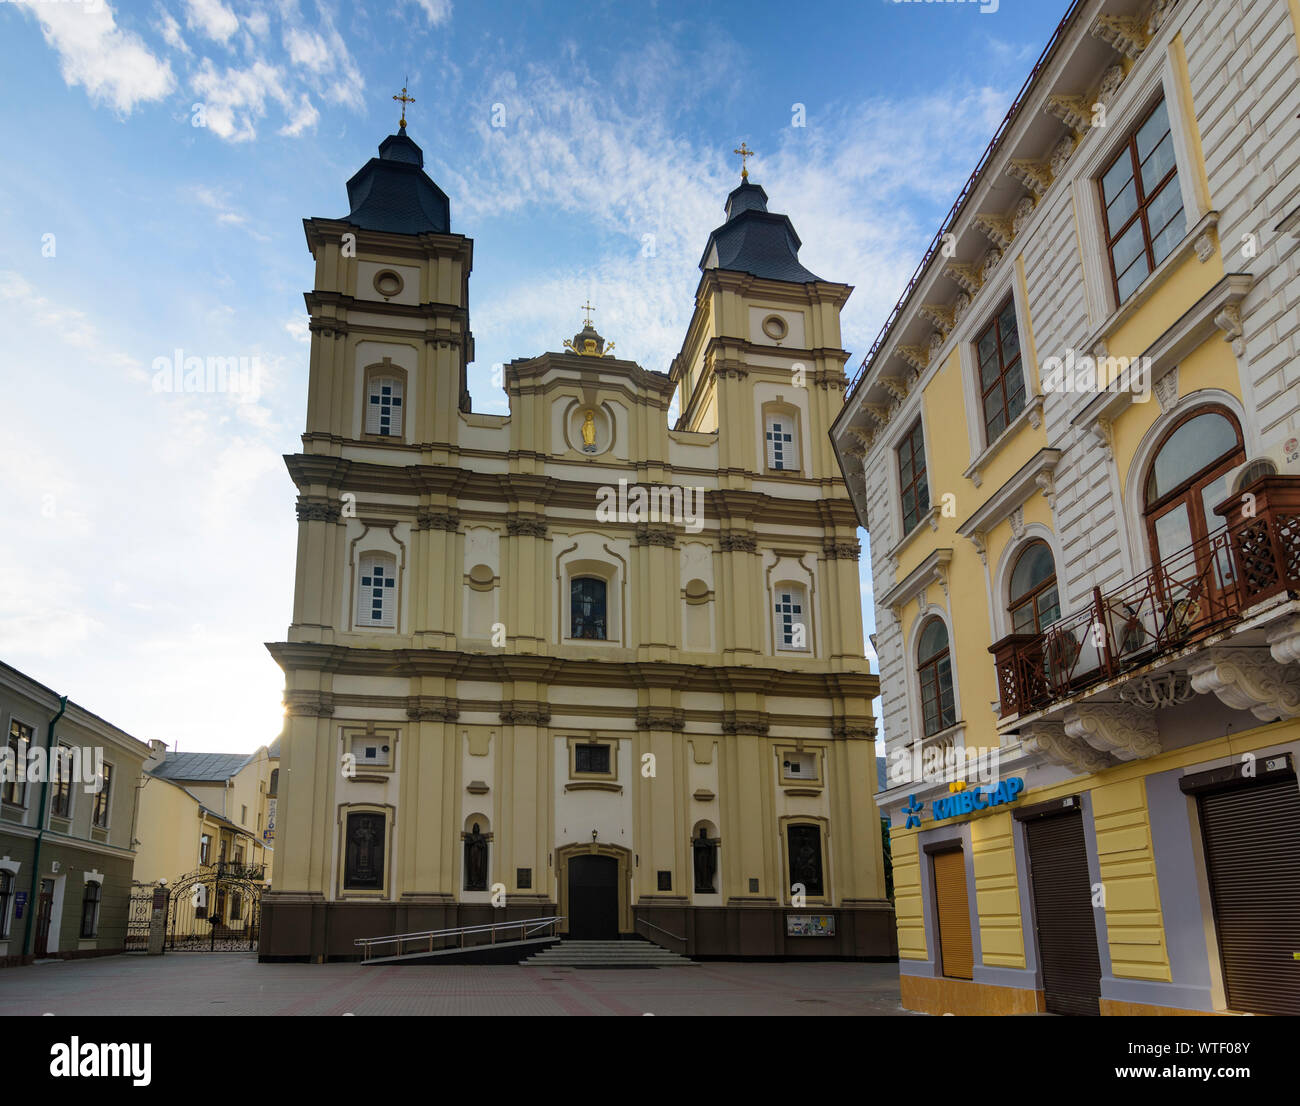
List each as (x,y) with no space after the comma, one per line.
(1187,477)
(1034,601)
(377,590)
(934,666)
(587,608)
(781,435)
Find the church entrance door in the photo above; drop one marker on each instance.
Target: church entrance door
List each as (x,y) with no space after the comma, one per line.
(593,898)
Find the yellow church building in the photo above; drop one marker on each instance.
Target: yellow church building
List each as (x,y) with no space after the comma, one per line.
(574,661)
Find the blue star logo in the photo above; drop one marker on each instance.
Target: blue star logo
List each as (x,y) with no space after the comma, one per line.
(913,812)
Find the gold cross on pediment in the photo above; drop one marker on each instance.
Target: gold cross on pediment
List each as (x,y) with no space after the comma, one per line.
(588,309)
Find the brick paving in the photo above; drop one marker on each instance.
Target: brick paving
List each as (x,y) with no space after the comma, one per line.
(236,984)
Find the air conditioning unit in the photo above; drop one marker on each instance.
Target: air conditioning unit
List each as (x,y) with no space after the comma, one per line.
(1282,459)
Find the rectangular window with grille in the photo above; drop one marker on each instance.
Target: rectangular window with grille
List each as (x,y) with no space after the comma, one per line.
(591,760)
(377,591)
(14,792)
(781,445)
(104,797)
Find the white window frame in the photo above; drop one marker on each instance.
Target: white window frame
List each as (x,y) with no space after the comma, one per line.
(1138,95)
(792,447)
(31,739)
(374,387)
(367,563)
(801,593)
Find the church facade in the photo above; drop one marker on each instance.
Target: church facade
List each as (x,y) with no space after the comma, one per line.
(573,661)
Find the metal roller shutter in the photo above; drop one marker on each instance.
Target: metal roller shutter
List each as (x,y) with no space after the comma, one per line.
(954,914)
(1063,914)
(1252,857)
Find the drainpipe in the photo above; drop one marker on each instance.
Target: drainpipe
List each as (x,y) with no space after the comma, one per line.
(33,903)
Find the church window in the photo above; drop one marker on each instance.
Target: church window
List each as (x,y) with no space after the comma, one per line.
(587,608)
(363,865)
(791,628)
(377,590)
(805,858)
(782,455)
(591,760)
(384,407)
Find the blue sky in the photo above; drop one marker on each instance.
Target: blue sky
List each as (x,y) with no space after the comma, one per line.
(151,537)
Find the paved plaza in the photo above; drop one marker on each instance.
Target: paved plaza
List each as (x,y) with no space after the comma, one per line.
(236,984)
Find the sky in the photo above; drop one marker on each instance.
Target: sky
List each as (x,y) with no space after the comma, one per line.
(159,158)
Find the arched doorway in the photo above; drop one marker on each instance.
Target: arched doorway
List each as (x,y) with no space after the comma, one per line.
(593,886)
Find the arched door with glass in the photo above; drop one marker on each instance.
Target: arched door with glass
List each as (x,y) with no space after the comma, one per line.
(1186,479)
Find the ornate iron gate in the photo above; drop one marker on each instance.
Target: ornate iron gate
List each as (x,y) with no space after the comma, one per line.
(139,915)
(216,909)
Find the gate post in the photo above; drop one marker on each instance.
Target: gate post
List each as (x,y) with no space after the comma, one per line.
(158,920)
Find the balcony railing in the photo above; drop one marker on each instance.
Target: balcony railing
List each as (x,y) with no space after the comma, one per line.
(1178,601)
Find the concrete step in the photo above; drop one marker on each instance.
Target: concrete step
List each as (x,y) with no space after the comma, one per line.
(608,954)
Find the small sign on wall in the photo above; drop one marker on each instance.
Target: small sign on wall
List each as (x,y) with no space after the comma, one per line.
(810,925)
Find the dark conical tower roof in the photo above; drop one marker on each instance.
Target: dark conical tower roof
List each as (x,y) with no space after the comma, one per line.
(756,241)
(393,193)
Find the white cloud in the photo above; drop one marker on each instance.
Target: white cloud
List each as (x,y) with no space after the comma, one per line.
(435,11)
(114,65)
(234,99)
(305,116)
(212,18)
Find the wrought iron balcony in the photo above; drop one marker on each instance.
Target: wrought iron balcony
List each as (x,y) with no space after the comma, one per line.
(1187,597)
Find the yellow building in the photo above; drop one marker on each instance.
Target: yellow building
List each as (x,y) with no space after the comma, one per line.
(573,661)
(202,815)
(1074,445)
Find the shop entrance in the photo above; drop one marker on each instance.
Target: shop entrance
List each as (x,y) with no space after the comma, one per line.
(952,906)
(1252,859)
(1063,913)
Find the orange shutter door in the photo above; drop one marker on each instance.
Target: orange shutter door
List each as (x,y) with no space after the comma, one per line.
(954,914)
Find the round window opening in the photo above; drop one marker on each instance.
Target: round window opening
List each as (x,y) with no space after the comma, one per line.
(388,283)
(774,327)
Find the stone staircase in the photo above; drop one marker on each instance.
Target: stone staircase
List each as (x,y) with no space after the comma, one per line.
(634,953)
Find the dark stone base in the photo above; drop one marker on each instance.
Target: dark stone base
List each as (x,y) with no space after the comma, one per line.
(295,928)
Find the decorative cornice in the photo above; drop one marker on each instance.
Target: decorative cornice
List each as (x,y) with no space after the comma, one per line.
(1061,154)
(745,722)
(1013,493)
(1034,175)
(525,714)
(315,509)
(521,524)
(842,550)
(1248,679)
(432,708)
(1049,740)
(1125,732)
(660,718)
(916,356)
(1126,35)
(1284,641)
(737,541)
(309,704)
(941,314)
(997,229)
(853,729)
(931,570)
(437,518)
(664,536)
(1074,111)
(965,276)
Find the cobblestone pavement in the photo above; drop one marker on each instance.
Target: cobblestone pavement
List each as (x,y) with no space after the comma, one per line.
(236,984)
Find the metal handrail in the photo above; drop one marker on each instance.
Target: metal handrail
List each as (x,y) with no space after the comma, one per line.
(962,197)
(666,933)
(524,925)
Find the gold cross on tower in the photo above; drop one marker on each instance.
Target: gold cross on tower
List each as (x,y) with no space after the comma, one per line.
(588,309)
(405,100)
(745,154)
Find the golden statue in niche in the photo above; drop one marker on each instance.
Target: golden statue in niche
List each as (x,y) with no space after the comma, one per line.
(589,431)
